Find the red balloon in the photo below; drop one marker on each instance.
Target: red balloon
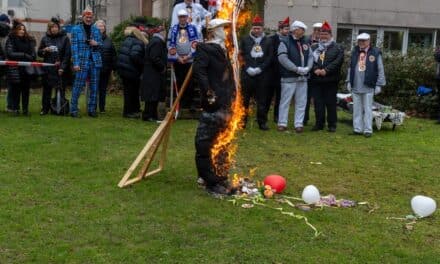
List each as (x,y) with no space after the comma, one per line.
(277,182)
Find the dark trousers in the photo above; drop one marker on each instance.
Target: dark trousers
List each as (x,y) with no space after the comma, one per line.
(131,96)
(9,98)
(310,95)
(325,99)
(47,93)
(256,87)
(150,111)
(181,71)
(274,93)
(210,125)
(18,90)
(102,88)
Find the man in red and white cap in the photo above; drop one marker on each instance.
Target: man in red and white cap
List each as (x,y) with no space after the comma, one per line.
(257,52)
(314,38)
(328,58)
(275,83)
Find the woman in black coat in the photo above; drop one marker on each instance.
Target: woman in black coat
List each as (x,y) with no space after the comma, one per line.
(108,55)
(20,46)
(54,48)
(130,66)
(154,75)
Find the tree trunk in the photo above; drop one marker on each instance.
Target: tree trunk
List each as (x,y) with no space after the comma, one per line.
(73,4)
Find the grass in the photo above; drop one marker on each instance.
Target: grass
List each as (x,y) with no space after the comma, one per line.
(59,202)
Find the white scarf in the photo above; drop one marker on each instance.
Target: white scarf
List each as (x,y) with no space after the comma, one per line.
(323,46)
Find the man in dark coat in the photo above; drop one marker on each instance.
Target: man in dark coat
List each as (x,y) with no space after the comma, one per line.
(257,51)
(314,42)
(275,83)
(130,67)
(214,74)
(154,75)
(328,58)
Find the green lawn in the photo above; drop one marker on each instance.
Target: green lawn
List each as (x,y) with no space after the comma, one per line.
(59,200)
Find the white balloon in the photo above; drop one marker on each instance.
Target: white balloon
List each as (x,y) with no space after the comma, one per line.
(311,195)
(423,206)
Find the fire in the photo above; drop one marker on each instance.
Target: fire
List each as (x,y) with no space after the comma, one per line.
(224,149)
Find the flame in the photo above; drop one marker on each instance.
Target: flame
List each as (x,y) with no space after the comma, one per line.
(224,149)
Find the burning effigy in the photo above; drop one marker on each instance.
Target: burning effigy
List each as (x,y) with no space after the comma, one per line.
(216,68)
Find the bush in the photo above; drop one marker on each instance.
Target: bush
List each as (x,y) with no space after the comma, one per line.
(404,73)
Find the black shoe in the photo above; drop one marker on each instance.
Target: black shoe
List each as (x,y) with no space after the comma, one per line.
(74,115)
(368,135)
(25,112)
(354,133)
(332,129)
(263,127)
(317,128)
(43,112)
(218,189)
(93,114)
(131,115)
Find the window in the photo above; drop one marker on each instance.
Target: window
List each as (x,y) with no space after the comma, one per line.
(344,37)
(393,40)
(420,38)
(16,3)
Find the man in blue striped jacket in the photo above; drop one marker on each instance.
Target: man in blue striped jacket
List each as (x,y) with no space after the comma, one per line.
(86,42)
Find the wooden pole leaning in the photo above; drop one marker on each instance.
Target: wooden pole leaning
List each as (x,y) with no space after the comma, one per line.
(160,138)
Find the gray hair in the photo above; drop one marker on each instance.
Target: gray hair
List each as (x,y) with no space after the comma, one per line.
(100,22)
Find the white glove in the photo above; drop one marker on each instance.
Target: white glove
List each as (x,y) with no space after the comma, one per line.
(257,71)
(349,86)
(302,70)
(250,71)
(377,90)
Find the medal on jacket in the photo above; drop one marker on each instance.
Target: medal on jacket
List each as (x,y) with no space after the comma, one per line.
(183,38)
(257,51)
(322,56)
(189,10)
(362,58)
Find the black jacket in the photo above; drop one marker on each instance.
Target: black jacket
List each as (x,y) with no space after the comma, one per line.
(213,72)
(264,62)
(334,58)
(155,66)
(275,66)
(108,54)
(4,32)
(62,42)
(130,59)
(19,49)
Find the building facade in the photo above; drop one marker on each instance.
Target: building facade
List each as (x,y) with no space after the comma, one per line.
(393,25)
(37,13)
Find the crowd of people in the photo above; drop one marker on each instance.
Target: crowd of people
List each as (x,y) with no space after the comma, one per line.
(279,69)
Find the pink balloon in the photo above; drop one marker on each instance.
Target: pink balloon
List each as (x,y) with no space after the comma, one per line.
(277,182)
